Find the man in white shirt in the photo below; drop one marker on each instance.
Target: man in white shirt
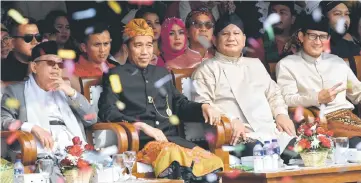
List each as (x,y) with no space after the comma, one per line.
(312,77)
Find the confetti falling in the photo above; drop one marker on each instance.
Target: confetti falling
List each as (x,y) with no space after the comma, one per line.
(349,86)
(204,42)
(326,46)
(358,146)
(317,14)
(163,91)
(233,174)
(15,125)
(322,111)
(162,81)
(85,14)
(228,148)
(239,148)
(10,140)
(109,150)
(212,177)
(272,19)
(253,42)
(66,54)
(69,66)
(298,117)
(12,103)
(115,83)
(60,180)
(341,26)
(120,105)
(141,2)
(210,137)
(104,67)
(174,120)
(90,116)
(17,17)
(115,7)
(286,179)
(89,30)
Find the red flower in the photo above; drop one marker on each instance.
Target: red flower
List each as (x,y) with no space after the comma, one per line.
(304,143)
(76,141)
(324,141)
(82,164)
(75,150)
(329,133)
(65,162)
(89,147)
(308,132)
(320,130)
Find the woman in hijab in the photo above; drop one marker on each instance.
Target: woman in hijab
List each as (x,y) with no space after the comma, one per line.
(173,40)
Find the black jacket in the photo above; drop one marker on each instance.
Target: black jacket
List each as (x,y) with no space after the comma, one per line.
(137,85)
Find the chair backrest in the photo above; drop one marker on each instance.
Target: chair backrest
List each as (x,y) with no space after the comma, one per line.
(92,89)
(194,132)
(358,65)
(272,68)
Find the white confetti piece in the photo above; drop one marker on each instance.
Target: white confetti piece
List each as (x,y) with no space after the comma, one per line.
(66,54)
(17,17)
(298,116)
(272,19)
(115,83)
(69,66)
(104,67)
(163,91)
(211,177)
(174,120)
(89,30)
(204,42)
(228,148)
(120,105)
(340,25)
(115,7)
(109,150)
(85,14)
(322,111)
(317,14)
(162,81)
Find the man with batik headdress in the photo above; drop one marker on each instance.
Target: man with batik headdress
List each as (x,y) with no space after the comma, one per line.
(151,99)
(312,78)
(241,88)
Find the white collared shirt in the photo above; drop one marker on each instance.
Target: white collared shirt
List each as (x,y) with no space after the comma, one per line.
(301,77)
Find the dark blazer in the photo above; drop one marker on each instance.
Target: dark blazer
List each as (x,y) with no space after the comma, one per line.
(137,85)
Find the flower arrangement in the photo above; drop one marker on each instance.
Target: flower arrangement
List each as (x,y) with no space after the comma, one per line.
(313,138)
(74,156)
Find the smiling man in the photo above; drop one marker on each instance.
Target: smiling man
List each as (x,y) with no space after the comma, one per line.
(241,88)
(312,77)
(149,107)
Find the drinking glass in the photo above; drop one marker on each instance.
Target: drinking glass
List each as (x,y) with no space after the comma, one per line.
(46,167)
(341,150)
(129,160)
(118,163)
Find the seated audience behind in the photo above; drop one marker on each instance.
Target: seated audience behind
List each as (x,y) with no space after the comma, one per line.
(241,88)
(149,108)
(312,77)
(173,41)
(24,38)
(49,108)
(6,42)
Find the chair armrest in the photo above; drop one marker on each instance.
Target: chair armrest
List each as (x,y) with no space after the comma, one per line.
(122,138)
(27,144)
(133,136)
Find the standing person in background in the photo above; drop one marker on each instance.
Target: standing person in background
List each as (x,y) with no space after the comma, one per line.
(173,41)
(24,38)
(38,9)
(154,19)
(6,42)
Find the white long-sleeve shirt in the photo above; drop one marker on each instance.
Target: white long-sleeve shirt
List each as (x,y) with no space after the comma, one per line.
(301,77)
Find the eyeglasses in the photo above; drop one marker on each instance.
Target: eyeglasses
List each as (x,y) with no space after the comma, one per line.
(52,63)
(312,36)
(29,37)
(198,25)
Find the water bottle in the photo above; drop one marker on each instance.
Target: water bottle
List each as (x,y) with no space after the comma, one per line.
(18,171)
(258,157)
(267,158)
(276,154)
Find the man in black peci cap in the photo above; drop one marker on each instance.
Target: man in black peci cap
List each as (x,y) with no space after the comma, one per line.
(314,78)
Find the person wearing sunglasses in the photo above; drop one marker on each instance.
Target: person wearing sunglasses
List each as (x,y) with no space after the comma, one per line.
(314,78)
(24,38)
(50,109)
(6,43)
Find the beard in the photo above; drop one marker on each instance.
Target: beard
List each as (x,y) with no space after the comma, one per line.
(278,30)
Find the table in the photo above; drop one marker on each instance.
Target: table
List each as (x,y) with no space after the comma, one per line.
(140,180)
(331,174)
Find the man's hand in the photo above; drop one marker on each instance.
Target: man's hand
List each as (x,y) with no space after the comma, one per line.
(43,136)
(284,123)
(238,131)
(59,84)
(155,133)
(211,115)
(326,96)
